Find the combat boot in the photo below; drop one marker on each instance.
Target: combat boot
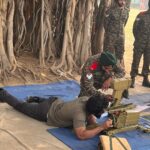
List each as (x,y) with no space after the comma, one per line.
(35,99)
(132,82)
(146,82)
(1,94)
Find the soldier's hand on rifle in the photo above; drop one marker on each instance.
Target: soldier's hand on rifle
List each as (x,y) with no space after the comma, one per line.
(91,119)
(109,98)
(107,124)
(106,84)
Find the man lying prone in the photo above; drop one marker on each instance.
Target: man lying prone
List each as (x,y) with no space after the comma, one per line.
(77,113)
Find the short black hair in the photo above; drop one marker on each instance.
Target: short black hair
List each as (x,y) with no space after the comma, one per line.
(96,105)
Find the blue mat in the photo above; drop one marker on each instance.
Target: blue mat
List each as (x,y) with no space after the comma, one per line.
(137,139)
(68,137)
(68,90)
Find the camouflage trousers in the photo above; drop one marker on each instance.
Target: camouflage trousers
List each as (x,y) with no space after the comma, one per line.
(83,93)
(89,91)
(115,44)
(137,54)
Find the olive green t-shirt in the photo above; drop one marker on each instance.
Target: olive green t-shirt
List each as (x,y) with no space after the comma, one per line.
(66,114)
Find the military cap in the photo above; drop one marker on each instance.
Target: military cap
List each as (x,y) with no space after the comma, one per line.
(107,58)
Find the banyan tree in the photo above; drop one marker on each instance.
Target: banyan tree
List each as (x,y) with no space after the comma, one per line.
(62,32)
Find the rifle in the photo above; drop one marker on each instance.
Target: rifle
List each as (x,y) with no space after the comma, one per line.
(123,117)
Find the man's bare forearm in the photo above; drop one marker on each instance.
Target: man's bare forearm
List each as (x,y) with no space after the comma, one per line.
(84,134)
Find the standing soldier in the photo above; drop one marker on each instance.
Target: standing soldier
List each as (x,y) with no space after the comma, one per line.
(141,31)
(114,23)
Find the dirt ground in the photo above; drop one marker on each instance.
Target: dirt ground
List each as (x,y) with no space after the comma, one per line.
(32,73)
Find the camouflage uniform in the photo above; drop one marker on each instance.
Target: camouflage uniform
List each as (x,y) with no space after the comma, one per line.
(93,76)
(114,23)
(141,31)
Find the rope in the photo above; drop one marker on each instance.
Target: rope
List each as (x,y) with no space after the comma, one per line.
(121,143)
(110,141)
(111,145)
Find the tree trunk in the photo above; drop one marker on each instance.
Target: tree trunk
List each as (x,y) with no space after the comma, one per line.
(86,46)
(10,51)
(99,36)
(65,32)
